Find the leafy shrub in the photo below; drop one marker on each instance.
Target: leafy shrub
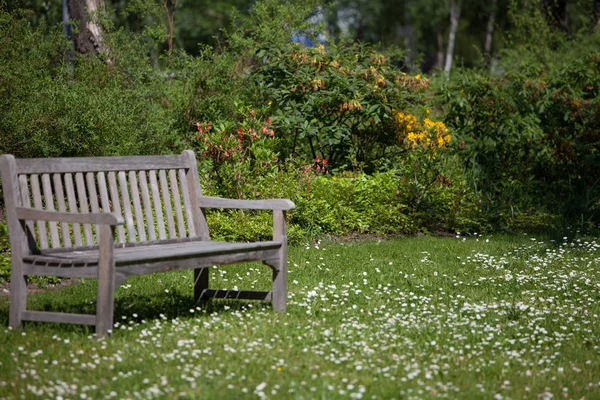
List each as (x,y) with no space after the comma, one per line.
(56,103)
(530,137)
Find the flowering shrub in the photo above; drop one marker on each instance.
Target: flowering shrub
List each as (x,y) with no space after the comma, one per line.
(335,102)
(427,134)
(530,142)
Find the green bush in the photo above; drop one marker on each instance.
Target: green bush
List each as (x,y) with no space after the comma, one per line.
(529,137)
(56,103)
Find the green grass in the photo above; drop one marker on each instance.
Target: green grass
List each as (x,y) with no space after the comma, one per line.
(424,317)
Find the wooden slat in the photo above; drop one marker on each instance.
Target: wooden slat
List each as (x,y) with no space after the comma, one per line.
(177,202)
(235,294)
(270,204)
(25,200)
(92,192)
(24,189)
(157,206)
(65,318)
(97,164)
(166,198)
(128,215)
(60,200)
(84,207)
(185,194)
(103,191)
(73,208)
(70,272)
(116,204)
(80,218)
(49,200)
(147,206)
(93,196)
(137,206)
(37,203)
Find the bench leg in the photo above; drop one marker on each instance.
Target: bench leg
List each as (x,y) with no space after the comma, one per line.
(280,285)
(18,296)
(106,282)
(280,265)
(201,276)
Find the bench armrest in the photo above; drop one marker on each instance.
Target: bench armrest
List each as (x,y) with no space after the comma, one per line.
(33,214)
(271,204)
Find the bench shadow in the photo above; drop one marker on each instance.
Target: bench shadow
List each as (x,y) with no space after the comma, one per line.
(132,307)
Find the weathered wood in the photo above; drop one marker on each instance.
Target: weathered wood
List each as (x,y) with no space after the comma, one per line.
(18,240)
(147,206)
(177,203)
(156,252)
(150,266)
(195,193)
(106,281)
(166,229)
(26,202)
(97,164)
(49,200)
(65,318)
(37,203)
(53,270)
(72,201)
(187,204)
(93,194)
(33,214)
(116,203)
(166,200)
(137,206)
(131,236)
(84,207)
(235,294)
(280,270)
(60,199)
(273,204)
(157,205)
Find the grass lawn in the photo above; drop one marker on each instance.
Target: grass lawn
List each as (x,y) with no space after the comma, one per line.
(480,317)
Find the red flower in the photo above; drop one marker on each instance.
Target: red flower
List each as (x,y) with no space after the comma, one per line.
(324,162)
(318,159)
(265,130)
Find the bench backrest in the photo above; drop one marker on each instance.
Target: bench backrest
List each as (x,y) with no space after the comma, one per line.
(158,197)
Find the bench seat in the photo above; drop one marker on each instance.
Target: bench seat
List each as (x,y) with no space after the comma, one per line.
(125,256)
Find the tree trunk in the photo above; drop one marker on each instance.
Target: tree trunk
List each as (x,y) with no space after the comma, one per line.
(89,31)
(489,31)
(439,59)
(597,14)
(455,8)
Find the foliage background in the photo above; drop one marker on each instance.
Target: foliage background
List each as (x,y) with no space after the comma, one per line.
(358,138)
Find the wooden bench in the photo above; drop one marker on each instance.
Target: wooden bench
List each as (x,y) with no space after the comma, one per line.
(115,217)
